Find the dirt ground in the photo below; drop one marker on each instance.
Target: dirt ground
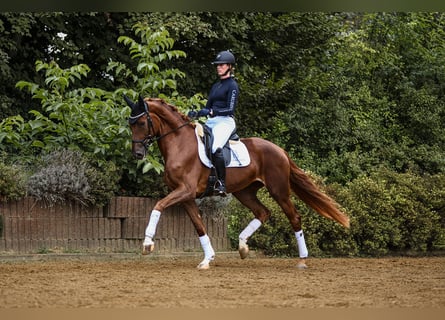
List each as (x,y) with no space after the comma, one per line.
(165,282)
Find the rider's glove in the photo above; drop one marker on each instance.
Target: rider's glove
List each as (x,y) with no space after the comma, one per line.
(192,114)
(203,112)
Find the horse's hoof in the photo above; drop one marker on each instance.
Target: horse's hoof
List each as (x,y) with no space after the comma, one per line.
(147,249)
(243,251)
(301,265)
(204,265)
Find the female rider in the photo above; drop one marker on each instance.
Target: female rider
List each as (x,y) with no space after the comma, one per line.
(220,107)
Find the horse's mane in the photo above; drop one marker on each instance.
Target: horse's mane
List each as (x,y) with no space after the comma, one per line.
(173,108)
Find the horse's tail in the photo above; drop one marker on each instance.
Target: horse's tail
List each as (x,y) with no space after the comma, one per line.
(309,193)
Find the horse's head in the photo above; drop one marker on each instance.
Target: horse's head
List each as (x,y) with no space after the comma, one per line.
(141,126)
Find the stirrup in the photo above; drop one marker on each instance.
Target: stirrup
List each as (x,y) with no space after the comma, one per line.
(219,189)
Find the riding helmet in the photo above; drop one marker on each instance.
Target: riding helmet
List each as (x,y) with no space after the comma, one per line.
(224,57)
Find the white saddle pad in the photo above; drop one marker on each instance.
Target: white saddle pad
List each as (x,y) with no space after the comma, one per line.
(239,155)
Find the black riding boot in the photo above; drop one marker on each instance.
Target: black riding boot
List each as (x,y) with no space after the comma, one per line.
(220,166)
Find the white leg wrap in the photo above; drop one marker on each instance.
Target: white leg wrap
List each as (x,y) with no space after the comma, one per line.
(250,229)
(302,250)
(152,223)
(209,253)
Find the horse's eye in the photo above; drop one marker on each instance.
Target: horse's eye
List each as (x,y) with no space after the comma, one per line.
(141,124)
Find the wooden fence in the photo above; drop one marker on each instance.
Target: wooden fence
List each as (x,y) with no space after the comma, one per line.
(28,227)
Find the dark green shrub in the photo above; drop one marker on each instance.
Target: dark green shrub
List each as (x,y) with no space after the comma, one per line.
(372,225)
(12,182)
(395,212)
(103,178)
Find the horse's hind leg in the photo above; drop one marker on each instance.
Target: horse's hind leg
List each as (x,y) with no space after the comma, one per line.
(249,199)
(283,199)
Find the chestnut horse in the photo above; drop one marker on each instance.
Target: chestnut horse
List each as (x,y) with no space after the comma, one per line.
(153,120)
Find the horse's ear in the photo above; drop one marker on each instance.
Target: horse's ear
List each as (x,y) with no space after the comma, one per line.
(129,102)
(142,103)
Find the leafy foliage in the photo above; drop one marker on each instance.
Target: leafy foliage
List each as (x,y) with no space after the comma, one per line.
(12,181)
(153,49)
(92,120)
(396,212)
(86,118)
(61,177)
(69,38)
(68,175)
(150,77)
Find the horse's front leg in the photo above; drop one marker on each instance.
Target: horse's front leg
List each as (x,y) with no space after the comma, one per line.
(177,196)
(148,245)
(188,201)
(209,253)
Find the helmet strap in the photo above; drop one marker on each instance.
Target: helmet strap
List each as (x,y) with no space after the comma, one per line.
(229,69)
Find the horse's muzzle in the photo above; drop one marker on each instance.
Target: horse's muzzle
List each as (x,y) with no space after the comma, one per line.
(139,154)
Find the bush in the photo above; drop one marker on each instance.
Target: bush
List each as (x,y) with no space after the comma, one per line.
(67,175)
(12,182)
(103,178)
(396,212)
(61,177)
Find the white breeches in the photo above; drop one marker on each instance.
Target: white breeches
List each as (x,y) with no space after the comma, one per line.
(222,128)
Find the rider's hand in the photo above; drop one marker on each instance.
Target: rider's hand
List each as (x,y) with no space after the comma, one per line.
(192,114)
(203,112)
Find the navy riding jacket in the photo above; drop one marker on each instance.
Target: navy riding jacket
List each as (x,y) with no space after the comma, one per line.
(223,97)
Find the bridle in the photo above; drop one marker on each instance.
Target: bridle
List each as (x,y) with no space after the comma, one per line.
(149,139)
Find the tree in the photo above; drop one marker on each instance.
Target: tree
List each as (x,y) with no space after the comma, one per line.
(365,102)
(66,38)
(92,119)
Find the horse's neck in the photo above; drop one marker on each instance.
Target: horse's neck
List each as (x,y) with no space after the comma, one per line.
(167,116)
(177,149)
(176,141)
